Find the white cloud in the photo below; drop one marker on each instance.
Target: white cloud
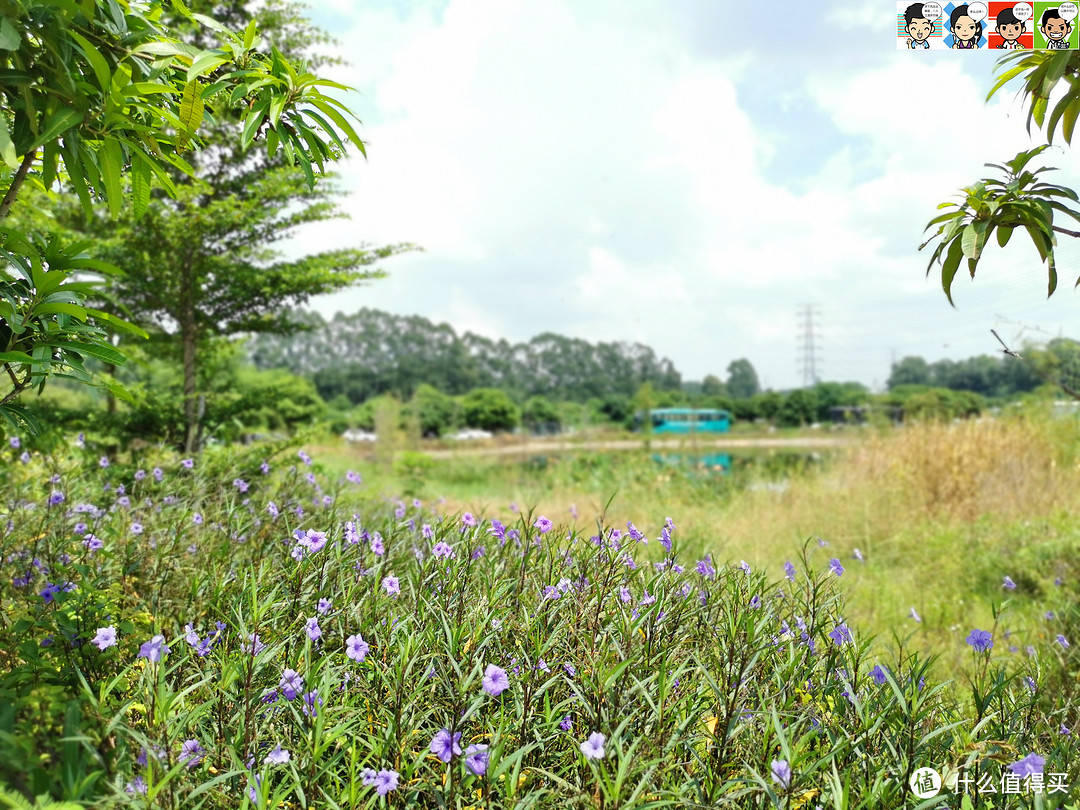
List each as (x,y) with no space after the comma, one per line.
(574,169)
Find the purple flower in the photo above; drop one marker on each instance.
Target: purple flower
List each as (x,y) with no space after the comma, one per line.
(744,566)
(138,786)
(356,648)
(154,650)
(495,680)
(292,682)
(240,484)
(543,524)
(781,773)
(468,520)
(279,756)
(103,462)
(566,724)
(49,592)
(158,474)
(377,547)
(878,674)
(14,442)
(427,532)
(93,543)
(836,567)
(442,550)
(1008,583)
(476,759)
(106,637)
(314,632)
(981,640)
(197,519)
(593,748)
(254,646)
(1031,765)
(705,568)
(840,634)
(353,477)
(312,701)
(391,585)
(445,746)
(1029,682)
(755,603)
(665,538)
(191,752)
(789,571)
(858,555)
(324,606)
(272,509)
(367,776)
(56,498)
(385,781)
(1062,641)
(914,614)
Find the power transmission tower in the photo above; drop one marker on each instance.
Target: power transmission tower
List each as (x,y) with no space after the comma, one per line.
(808,353)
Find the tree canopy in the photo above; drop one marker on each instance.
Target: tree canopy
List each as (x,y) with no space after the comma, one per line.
(1018,197)
(94,93)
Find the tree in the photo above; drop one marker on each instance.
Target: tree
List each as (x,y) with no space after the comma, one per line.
(95,92)
(713,386)
(1019,197)
(909,371)
(742,381)
(489,409)
(204,262)
(434,409)
(539,411)
(798,408)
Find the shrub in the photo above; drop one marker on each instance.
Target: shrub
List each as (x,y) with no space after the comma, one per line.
(257,636)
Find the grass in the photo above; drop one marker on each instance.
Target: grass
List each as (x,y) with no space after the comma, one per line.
(941,513)
(355,628)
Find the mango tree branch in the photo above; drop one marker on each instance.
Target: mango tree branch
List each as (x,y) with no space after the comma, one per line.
(16,182)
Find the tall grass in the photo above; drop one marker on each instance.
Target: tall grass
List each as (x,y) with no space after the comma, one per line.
(244,631)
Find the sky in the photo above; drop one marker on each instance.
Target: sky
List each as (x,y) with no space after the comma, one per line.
(688,174)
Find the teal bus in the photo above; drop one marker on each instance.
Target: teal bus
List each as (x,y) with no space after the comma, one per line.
(690,420)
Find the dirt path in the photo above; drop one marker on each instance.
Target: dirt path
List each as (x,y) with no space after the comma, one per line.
(689,445)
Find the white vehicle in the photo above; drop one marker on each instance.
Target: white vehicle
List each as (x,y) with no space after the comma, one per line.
(468,434)
(358,436)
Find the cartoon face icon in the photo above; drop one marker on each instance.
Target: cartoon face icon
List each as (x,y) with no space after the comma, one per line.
(1011,31)
(920,28)
(964,28)
(1055,28)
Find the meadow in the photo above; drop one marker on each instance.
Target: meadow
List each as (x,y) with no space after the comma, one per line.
(283,626)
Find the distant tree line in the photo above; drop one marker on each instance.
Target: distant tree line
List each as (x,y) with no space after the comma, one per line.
(371,353)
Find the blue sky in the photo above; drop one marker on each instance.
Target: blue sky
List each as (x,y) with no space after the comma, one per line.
(664,172)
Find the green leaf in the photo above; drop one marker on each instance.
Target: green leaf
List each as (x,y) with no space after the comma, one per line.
(111,164)
(10,39)
(950,266)
(15,357)
(206,62)
(191,110)
(118,323)
(102,352)
(1003,235)
(140,184)
(19,418)
(7,146)
(94,57)
(59,122)
(970,242)
(74,310)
